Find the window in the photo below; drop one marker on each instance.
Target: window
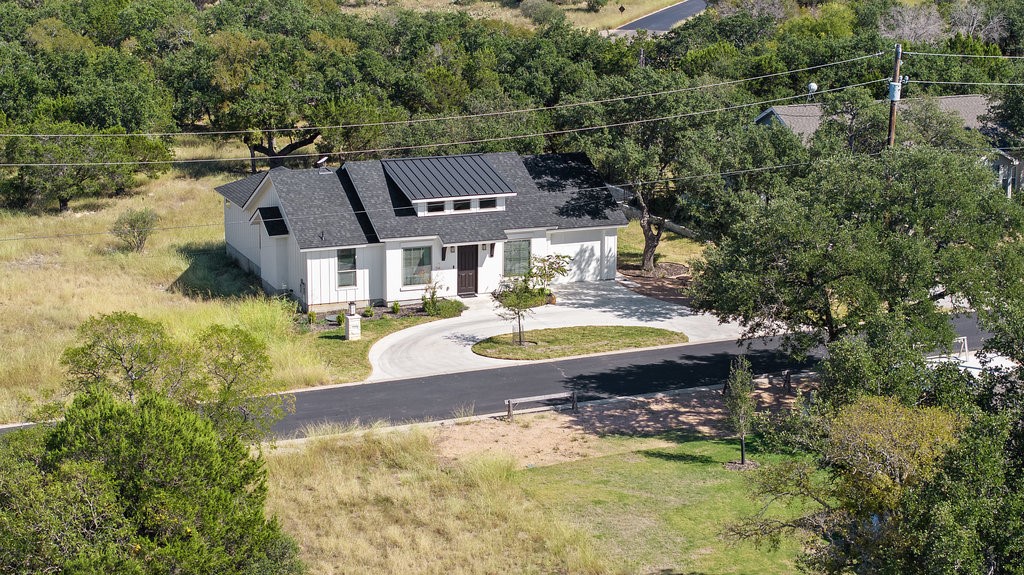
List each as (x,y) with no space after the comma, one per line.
(416,266)
(489,204)
(346,268)
(461,205)
(435,207)
(517,257)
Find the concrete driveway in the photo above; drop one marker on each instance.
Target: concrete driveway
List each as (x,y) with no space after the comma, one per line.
(444,346)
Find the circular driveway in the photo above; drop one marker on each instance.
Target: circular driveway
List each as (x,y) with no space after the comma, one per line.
(443,346)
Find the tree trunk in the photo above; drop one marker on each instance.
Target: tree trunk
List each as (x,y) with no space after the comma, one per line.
(652,227)
(276,157)
(743,450)
(252,159)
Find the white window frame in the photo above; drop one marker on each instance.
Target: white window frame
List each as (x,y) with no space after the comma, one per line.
(349,272)
(429,265)
(505,258)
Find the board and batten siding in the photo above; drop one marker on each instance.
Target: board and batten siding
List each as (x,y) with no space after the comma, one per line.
(322,277)
(241,237)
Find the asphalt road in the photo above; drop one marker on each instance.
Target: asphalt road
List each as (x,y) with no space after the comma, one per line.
(438,397)
(664,20)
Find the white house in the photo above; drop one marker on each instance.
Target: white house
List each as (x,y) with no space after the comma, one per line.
(382,230)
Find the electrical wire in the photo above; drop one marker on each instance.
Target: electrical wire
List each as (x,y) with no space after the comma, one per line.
(999,57)
(965,83)
(441,144)
(455,117)
(370,211)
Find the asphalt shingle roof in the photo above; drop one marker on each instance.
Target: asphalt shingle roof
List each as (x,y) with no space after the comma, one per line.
(359,204)
(394,217)
(805,119)
(239,192)
(439,177)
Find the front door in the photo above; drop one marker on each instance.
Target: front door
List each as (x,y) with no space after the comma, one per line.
(467,269)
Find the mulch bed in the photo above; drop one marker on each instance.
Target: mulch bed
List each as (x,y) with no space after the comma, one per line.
(737,466)
(666,284)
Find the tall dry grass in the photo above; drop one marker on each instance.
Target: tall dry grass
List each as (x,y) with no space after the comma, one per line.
(49,285)
(383,502)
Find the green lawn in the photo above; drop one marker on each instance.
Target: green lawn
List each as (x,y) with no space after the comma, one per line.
(349,360)
(671,249)
(567,341)
(662,510)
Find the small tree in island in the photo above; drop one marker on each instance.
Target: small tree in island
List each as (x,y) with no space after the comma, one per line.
(516,296)
(739,401)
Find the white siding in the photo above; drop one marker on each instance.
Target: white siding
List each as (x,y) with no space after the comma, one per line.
(322,273)
(442,273)
(588,249)
(240,234)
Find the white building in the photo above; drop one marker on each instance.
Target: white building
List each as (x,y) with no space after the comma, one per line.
(382,230)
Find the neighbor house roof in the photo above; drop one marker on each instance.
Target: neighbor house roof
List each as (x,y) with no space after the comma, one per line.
(805,119)
(440,177)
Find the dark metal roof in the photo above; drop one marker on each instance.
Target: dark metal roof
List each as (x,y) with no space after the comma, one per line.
(445,177)
(273,220)
(239,192)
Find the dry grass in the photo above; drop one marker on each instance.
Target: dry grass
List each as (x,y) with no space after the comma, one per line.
(384,502)
(49,285)
(609,16)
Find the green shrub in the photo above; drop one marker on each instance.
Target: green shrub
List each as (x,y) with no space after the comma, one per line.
(395,308)
(448,308)
(596,5)
(367,311)
(541,11)
(134,227)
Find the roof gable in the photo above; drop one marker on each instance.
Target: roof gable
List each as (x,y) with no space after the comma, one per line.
(440,177)
(240,191)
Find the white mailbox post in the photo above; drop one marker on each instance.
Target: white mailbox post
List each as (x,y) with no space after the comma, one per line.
(353,327)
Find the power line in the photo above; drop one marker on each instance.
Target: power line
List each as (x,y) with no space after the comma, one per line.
(370,211)
(366,211)
(966,83)
(443,144)
(455,117)
(999,57)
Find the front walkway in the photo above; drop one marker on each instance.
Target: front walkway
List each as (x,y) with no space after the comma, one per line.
(444,346)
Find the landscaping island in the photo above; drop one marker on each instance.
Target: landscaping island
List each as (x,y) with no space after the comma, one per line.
(580,340)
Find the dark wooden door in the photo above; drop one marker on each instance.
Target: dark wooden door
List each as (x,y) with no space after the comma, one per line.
(467,269)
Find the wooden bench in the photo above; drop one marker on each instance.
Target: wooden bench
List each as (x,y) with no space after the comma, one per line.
(512,403)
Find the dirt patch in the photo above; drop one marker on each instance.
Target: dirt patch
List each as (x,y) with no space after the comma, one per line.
(548,438)
(668,283)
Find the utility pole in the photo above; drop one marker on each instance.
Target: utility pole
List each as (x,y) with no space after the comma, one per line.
(894,94)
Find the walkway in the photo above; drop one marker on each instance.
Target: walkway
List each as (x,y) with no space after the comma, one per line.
(444,346)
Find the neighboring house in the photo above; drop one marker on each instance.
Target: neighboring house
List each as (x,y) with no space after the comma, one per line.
(805,119)
(383,230)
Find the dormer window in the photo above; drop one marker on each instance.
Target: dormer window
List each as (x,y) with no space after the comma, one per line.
(449,184)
